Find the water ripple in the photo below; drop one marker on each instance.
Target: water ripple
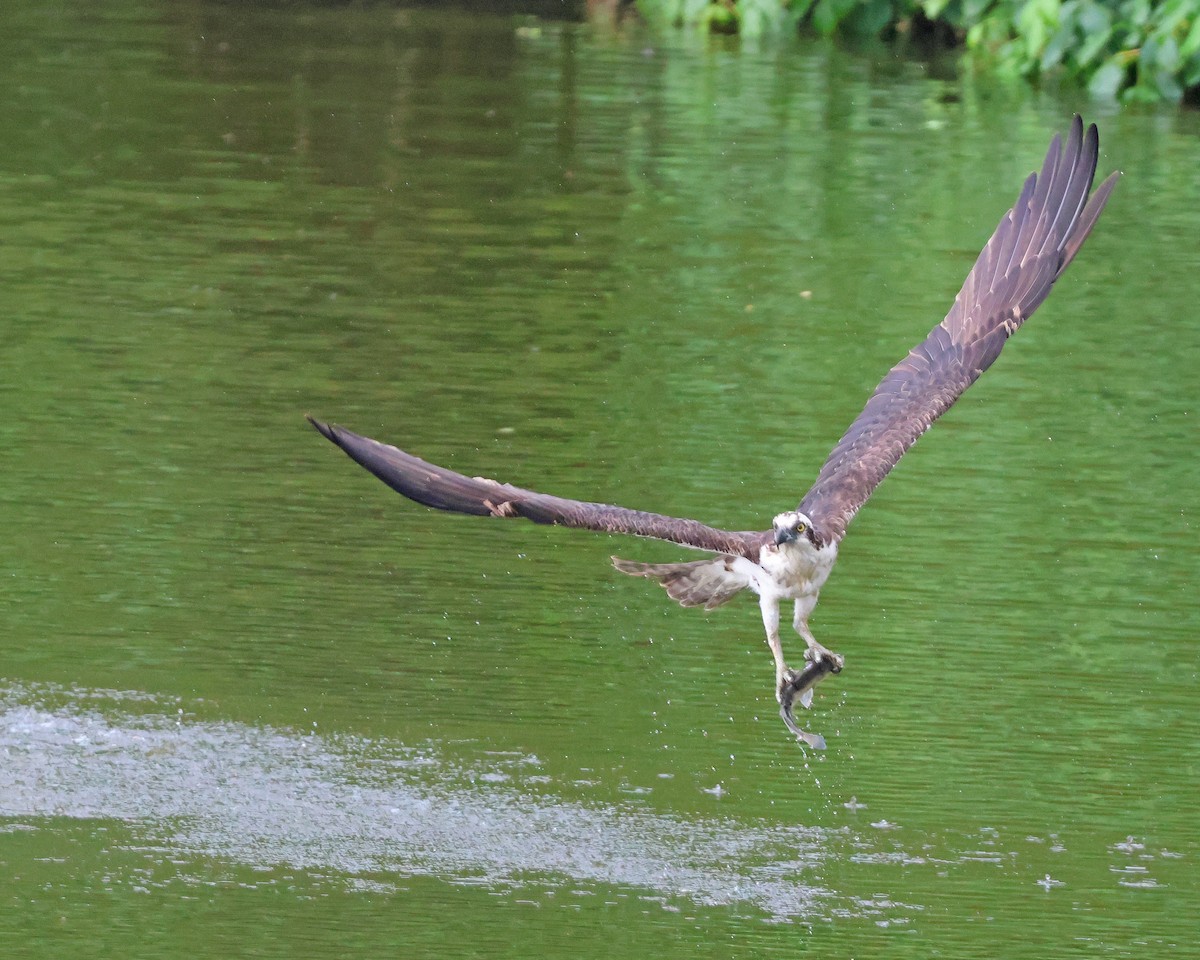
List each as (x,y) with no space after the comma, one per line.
(367,810)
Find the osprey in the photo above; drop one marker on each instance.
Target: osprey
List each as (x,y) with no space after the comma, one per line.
(1034,243)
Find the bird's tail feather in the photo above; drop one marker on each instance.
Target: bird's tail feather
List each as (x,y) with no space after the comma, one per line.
(700,583)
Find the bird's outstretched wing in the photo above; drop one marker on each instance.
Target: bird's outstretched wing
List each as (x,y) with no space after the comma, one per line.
(444,489)
(1035,242)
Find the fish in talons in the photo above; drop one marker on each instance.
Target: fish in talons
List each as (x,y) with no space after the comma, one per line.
(798,685)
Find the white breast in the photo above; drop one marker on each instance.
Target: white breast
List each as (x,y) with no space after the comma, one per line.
(797,569)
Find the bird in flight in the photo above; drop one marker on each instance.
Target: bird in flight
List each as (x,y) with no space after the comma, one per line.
(1034,243)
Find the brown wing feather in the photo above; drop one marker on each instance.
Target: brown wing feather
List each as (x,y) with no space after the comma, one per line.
(444,489)
(1034,243)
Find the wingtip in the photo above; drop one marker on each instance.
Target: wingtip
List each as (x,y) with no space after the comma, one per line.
(324,429)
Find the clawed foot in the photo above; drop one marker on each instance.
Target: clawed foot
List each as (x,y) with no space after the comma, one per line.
(788,685)
(816,653)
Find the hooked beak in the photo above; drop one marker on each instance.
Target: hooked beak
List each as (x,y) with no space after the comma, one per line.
(784,536)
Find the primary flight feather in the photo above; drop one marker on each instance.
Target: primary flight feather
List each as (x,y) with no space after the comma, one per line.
(1031,247)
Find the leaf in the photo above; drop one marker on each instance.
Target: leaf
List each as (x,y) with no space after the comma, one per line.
(1171,14)
(828,14)
(869,17)
(974,10)
(1191,72)
(1093,46)
(1137,11)
(1191,43)
(1106,82)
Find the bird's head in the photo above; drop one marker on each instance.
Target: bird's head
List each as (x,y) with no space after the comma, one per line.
(792,527)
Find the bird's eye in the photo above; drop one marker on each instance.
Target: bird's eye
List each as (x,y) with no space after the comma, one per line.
(801,527)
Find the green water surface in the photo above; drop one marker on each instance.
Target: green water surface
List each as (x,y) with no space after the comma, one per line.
(254,704)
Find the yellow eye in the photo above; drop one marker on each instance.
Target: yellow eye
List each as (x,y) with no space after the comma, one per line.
(801,527)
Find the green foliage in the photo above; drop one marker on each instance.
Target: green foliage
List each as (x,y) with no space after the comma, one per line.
(1142,50)
(1136,49)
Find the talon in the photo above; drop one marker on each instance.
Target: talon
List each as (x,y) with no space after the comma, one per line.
(788,680)
(817,654)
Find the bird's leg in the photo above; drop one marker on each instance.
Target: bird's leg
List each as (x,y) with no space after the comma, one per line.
(770,615)
(791,685)
(816,651)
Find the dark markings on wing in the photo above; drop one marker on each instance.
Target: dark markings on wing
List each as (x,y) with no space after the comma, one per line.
(444,489)
(1035,242)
